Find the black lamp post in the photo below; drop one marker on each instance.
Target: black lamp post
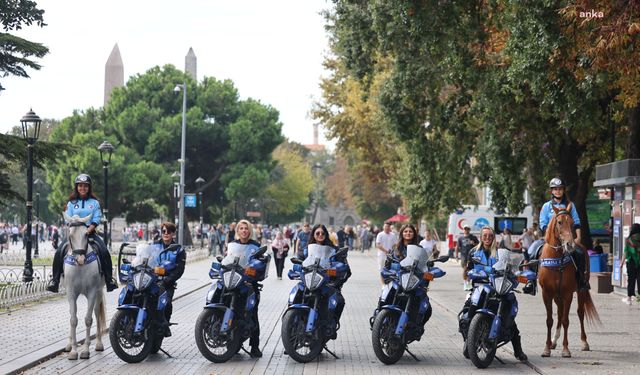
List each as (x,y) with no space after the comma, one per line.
(176,194)
(30,132)
(38,182)
(199,182)
(106,149)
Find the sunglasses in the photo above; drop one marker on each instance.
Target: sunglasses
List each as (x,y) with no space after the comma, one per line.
(165,231)
(318,234)
(487,236)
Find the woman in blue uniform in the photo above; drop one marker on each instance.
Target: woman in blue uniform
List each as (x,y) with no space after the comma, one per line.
(175,254)
(83,202)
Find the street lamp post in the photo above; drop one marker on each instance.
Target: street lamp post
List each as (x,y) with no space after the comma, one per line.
(199,182)
(30,131)
(106,149)
(38,183)
(176,195)
(182,87)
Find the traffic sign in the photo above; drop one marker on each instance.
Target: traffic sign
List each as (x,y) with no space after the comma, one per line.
(253,214)
(190,200)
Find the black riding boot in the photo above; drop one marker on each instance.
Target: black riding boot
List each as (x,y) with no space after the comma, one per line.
(530,288)
(58,265)
(517,348)
(583,281)
(105,262)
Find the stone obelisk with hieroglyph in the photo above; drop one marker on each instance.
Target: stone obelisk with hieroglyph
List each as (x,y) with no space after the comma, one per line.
(113,73)
(191,64)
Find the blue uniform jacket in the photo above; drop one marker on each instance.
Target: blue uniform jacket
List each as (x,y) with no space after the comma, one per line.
(85,207)
(484,259)
(546,213)
(178,257)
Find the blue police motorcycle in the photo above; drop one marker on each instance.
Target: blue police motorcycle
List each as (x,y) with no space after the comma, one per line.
(487,321)
(315,304)
(403,307)
(226,320)
(138,327)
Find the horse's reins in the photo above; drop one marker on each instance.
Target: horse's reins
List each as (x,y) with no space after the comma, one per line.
(564,253)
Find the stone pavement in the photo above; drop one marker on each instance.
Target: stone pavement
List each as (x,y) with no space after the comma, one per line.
(614,344)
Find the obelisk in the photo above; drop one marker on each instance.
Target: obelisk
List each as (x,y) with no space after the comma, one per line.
(315,134)
(191,64)
(113,73)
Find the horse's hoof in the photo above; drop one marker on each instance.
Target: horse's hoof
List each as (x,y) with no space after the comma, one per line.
(553,346)
(99,347)
(73,355)
(585,348)
(67,348)
(84,355)
(566,354)
(546,353)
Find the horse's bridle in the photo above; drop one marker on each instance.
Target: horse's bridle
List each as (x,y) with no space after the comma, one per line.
(563,245)
(79,251)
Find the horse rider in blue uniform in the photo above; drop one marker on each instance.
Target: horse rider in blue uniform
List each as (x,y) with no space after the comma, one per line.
(82,202)
(175,254)
(559,199)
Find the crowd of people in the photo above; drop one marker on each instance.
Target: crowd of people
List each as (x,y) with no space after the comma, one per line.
(13,234)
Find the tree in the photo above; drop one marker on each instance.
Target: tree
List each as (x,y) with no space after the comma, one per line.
(229,144)
(287,195)
(17,53)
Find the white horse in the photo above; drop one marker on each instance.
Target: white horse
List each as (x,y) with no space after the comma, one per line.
(82,276)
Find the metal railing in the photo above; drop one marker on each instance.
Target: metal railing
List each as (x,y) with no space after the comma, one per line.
(16,292)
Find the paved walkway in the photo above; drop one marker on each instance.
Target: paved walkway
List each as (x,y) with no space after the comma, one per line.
(614,344)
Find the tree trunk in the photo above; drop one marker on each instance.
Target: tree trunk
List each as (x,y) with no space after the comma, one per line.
(632,148)
(577,183)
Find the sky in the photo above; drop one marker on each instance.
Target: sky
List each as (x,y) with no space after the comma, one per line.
(271,50)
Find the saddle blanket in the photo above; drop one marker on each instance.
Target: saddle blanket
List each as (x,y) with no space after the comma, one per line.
(554,262)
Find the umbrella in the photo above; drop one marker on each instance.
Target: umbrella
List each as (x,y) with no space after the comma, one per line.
(398,218)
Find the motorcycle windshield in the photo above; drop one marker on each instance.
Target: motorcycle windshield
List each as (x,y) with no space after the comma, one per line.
(241,251)
(148,253)
(508,260)
(321,252)
(416,253)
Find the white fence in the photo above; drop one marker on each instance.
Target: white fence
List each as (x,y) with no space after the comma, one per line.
(18,293)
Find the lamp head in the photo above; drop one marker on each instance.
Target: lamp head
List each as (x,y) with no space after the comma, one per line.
(30,126)
(106,149)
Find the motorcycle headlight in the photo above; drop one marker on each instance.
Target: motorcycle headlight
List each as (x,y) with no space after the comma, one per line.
(231,279)
(502,285)
(313,280)
(409,281)
(210,294)
(142,280)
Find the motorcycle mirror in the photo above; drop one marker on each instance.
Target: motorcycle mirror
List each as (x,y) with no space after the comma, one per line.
(532,263)
(295,260)
(261,251)
(443,258)
(126,261)
(219,258)
(342,251)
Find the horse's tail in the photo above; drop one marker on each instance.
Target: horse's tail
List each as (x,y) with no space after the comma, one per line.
(102,314)
(590,312)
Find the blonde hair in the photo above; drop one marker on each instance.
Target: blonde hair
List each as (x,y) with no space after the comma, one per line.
(494,246)
(248,224)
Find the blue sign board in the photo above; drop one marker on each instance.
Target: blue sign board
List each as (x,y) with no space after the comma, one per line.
(190,200)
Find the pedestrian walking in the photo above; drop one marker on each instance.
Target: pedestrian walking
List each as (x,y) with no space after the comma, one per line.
(384,243)
(632,259)
(280,248)
(429,244)
(302,240)
(466,242)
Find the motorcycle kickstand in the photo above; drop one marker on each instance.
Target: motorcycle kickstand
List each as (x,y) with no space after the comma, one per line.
(330,352)
(244,350)
(406,348)
(165,353)
(499,360)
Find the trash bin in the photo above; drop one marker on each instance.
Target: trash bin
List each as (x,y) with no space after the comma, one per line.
(603,282)
(598,263)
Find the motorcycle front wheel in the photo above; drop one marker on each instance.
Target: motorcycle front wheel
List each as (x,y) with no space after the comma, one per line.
(480,348)
(388,348)
(130,347)
(301,347)
(214,346)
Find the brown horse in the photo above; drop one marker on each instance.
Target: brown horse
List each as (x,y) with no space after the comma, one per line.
(557,278)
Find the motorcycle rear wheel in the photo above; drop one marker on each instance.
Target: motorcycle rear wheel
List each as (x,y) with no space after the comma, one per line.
(481,349)
(298,345)
(215,347)
(388,348)
(127,346)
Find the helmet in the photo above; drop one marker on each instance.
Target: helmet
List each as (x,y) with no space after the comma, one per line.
(83,179)
(556,182)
